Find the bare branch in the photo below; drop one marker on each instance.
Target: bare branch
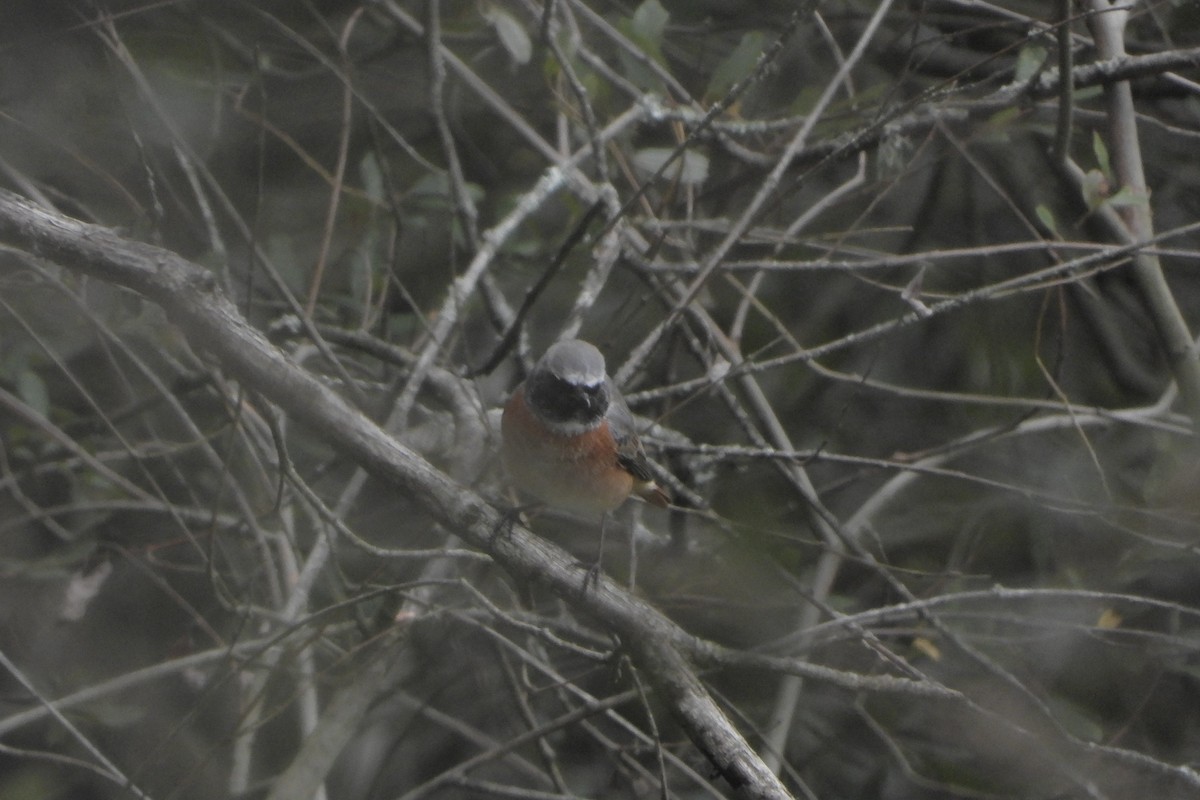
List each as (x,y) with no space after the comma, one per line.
(191,298)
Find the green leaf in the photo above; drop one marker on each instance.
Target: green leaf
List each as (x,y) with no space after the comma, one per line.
(1029,61)
(737,65)
(115,713)
(372,177)
(1128,198)
(645,28)
(511,33)
(1046,217)
(1095,188)
(1004,117)
(690,169)
(432,192)
(893,154)
(1101,151)
(649,23)
(32,389)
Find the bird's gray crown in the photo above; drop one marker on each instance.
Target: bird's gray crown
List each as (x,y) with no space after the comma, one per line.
(568,388)
(574,361)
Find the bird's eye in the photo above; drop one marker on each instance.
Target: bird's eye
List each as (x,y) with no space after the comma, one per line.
(565,400)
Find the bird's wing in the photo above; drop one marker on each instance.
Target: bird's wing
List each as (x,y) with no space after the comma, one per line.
(630,454)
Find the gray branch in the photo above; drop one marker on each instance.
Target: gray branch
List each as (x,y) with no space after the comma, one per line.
(193,301)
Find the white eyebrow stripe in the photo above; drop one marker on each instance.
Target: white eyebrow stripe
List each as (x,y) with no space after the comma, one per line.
(582,377)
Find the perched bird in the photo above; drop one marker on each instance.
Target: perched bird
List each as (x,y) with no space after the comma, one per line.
(568,436)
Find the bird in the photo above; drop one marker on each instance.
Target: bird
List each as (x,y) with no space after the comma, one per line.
(568,436)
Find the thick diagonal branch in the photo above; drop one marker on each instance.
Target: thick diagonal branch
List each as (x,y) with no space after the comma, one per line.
(193,301)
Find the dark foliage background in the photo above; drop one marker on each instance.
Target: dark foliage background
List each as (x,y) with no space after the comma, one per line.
(907,381)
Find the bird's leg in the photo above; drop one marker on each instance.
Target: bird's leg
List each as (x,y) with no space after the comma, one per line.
(509,518)
(592,575)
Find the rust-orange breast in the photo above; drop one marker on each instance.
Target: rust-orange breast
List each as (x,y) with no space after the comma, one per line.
(580,473)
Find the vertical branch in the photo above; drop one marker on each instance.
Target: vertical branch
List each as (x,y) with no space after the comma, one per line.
(1107,22)
(1066,86)
(464,206)
(339,173)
